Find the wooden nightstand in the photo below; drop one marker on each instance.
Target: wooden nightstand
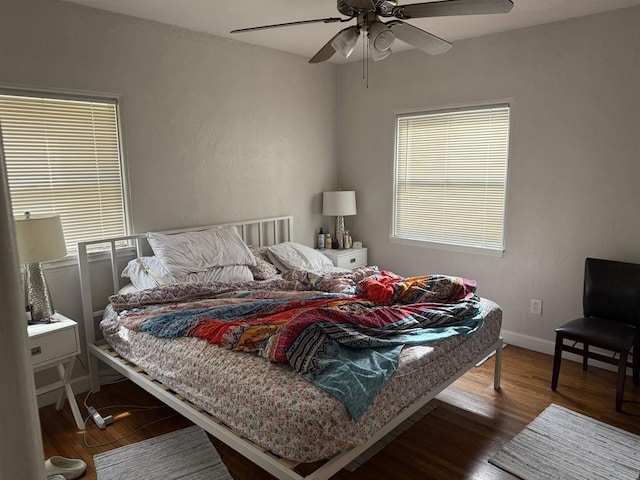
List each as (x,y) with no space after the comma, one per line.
(351,258)
(57,345)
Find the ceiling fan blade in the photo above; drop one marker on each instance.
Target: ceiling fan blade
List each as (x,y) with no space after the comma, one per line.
(420,39)
(288,24)
(361,4)
(325,53)
(445,8)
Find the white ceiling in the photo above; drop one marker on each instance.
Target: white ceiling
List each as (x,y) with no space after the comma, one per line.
(218,17)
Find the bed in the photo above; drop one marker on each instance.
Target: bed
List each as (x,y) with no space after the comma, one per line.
(266,411)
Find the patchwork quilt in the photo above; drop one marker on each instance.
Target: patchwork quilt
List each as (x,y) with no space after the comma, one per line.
(342,331)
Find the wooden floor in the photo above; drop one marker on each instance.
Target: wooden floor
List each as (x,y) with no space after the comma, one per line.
(470,423)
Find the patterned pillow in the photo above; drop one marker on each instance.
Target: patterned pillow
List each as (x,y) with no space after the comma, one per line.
(185,292)
(264,269)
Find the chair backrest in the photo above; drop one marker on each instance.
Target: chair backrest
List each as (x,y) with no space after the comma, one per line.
(612,290)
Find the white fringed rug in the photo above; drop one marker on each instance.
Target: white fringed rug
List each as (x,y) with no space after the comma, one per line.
(186,454)
(565,445)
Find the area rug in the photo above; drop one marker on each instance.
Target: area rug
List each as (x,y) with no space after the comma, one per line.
(186,454)
(563,444)
(388,438)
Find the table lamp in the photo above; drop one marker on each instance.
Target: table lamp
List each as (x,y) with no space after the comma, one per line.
(339,204)
(40,239)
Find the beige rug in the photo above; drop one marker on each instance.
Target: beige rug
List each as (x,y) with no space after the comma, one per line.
(186,454)
(565,445)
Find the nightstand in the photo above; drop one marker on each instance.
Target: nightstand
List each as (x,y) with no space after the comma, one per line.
(57,344)
(350,258)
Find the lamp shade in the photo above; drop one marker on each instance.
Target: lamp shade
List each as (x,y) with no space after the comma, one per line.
(339,203)
(40,238)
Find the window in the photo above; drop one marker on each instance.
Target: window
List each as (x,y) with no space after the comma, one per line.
(63,156)
(450,177)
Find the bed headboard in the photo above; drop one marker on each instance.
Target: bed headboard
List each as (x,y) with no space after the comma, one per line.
(261,232)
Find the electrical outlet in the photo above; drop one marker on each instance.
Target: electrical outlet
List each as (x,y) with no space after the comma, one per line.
(536,306)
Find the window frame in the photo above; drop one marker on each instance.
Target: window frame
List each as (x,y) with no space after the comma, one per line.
(453,247)
(80,96)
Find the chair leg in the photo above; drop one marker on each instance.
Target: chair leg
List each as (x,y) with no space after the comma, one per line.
(557,358)
(585,356)
(622,373)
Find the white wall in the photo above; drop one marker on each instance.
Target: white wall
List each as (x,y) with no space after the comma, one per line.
(213,129)
(574,164)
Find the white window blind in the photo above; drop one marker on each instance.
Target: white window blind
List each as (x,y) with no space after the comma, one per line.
(63,156)
(450,177)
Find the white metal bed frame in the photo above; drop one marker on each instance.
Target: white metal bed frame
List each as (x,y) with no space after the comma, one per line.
(278,229)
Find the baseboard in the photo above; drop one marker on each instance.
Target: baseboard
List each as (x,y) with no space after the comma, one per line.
(530,343)
(548,347)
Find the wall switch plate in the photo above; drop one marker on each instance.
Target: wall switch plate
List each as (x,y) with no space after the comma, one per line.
(536,306)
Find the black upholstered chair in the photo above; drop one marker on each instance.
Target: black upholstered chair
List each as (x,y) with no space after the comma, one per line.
(611,308)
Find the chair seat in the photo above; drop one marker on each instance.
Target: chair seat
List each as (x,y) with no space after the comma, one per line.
(607,334)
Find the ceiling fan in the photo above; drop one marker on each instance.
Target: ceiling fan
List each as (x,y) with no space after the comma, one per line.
(381,35)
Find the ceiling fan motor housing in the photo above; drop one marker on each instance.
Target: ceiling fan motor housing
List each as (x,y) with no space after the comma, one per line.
(385,8)
(351,8)
(345,9)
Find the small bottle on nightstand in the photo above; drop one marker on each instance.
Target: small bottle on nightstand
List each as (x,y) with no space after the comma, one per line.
(321,239)
(347,239)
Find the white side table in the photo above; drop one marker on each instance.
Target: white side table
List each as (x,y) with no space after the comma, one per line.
(350,258)
(57,345)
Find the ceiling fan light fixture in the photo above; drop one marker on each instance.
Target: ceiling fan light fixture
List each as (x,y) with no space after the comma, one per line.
(380,37)
(377,55)
(346,40)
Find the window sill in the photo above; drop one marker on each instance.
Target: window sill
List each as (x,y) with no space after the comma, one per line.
(448,247)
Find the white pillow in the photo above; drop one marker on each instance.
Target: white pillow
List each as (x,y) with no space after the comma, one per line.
(230,273)
(290,255)
(188,252)
(149,272)
(137,271)
(128,288)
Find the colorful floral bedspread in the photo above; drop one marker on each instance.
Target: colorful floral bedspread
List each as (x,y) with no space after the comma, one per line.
(344,332)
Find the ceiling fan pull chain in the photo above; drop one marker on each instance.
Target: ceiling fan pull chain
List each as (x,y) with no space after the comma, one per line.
(364,54)
(368,48)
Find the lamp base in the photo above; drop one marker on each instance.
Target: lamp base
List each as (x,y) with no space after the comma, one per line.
(340,231)
(36,293)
